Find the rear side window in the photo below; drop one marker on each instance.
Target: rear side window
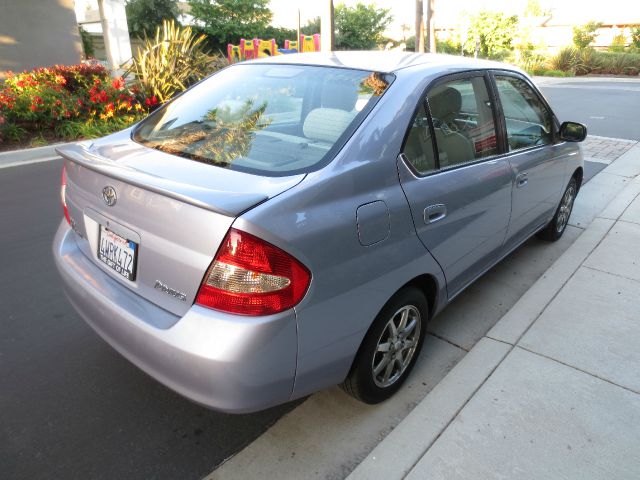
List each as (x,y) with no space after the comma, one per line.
(418,148)
(528,121)
(265,119)
(463,126)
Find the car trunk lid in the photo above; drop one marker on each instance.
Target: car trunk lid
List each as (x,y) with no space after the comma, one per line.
(174,210)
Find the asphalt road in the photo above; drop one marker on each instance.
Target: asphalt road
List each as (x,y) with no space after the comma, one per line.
(609,108)
(70,406)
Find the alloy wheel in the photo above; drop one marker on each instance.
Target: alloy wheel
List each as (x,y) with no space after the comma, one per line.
(396,346)
(565,208)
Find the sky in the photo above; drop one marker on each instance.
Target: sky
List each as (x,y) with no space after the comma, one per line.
(447,11)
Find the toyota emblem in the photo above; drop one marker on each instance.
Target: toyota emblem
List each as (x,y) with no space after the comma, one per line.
(109,195)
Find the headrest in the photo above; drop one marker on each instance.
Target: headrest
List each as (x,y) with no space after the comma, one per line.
(445,104)
(326,124)
(338,95)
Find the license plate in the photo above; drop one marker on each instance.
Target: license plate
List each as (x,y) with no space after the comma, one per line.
(118,253)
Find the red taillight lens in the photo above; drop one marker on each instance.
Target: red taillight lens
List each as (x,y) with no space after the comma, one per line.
(63,194)
(249,276)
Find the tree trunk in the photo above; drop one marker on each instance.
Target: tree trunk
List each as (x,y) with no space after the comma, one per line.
(327,30)
(431,31)
(419,26)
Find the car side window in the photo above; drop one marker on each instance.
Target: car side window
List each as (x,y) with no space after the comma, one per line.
(463,126)
(463,121)
(418,148)
(527,119)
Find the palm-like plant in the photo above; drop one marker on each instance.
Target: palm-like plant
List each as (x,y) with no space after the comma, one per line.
(170,62)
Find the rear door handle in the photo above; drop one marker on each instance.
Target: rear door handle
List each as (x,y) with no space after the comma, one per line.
(436,212)
(521,180)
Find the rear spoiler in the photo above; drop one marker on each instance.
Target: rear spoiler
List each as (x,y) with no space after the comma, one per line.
(220,201)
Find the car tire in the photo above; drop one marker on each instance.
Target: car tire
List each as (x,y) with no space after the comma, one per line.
(388,353)
(558,224)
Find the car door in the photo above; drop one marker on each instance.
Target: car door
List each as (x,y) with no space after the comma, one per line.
(538,171)
(458,189)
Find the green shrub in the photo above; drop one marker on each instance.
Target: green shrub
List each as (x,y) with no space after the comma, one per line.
(531,60)
(619,43)
(446,46)
(410,43)
(564,60)
(172,61)
(586,60)
(614,63)
(74,129)
(556,73)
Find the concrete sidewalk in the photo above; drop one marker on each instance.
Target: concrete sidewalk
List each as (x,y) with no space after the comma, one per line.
(553,389)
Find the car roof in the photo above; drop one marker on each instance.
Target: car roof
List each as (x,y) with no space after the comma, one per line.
(382,61)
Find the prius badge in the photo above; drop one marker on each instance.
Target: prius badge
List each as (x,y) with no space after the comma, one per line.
(109,195)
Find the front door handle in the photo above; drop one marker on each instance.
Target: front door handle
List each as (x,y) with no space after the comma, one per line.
(433,213)
(521,180)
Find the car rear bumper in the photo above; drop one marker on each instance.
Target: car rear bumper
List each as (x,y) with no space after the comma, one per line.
(226,362)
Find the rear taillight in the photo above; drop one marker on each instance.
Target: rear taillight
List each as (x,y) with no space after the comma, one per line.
(63,194)
(249,276)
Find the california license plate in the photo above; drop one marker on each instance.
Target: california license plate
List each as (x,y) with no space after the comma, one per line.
(118,253)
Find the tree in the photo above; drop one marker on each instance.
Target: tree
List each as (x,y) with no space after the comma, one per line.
(493,31)
(584,35)
(312,27)
(279,34)
(145,16)
(360,27)
(635,37)
(357,28)
(410,44)
(227,21)
(533,9)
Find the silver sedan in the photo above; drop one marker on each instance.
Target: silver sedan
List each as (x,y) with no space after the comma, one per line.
(295,222)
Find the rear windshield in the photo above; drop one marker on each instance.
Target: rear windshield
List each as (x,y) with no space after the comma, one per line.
(265,119)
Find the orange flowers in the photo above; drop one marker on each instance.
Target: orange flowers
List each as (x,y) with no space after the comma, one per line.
(44,99)
(118,83)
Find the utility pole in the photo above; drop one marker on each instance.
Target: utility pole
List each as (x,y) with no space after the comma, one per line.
(298,37)
(327,31)
(420,26)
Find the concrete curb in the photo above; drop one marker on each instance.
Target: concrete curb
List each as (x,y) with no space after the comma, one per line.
(30,155)
(401,450)
(398,453)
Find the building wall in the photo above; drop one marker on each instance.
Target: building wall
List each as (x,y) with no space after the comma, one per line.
(37,33)
(100,52)
(558,36)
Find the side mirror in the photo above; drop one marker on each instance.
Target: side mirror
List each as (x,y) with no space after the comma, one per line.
(573,132)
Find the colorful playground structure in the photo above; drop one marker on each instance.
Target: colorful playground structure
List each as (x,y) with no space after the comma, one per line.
(256,48)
